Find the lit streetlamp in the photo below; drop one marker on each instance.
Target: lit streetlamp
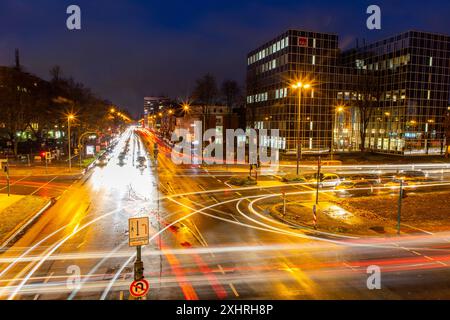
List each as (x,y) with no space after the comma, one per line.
(70,117)
(299,87)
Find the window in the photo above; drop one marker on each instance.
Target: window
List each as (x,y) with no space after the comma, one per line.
(313,60)
(431,61)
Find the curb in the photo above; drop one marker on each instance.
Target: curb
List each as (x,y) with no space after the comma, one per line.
(12,238)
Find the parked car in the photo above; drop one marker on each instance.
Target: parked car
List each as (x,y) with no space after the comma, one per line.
(412,175)
(327,180)
(355,188)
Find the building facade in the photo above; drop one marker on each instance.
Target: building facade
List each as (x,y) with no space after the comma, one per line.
(404,79)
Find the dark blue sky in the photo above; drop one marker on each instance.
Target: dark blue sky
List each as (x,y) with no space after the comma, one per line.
(129,49)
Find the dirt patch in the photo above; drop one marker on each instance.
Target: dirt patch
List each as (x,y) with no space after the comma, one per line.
(428,211)
(332,218)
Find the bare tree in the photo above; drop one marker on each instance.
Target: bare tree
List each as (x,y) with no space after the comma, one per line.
(368,95)
(231,92)
(206,91)
(56,73)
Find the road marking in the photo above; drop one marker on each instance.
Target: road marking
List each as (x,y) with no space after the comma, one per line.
(234,290)
(424,231)
(36,297)
(230,284)
(45,184)
(217,201)
(416,253)
(221,269)
(15,182)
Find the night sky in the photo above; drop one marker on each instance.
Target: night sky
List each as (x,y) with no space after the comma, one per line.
(129,49)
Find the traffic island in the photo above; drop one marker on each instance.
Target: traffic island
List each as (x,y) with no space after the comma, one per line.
(331,218)
(17,213)
(242,181)
(421,212)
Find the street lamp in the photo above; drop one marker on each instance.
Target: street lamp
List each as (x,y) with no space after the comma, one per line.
(70,117)
(299,86)
(336,132)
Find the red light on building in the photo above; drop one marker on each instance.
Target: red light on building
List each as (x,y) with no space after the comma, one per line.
(302,41)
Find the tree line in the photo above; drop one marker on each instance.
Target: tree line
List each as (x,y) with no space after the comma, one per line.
(29,103)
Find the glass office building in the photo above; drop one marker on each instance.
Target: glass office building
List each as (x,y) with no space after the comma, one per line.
(410,76)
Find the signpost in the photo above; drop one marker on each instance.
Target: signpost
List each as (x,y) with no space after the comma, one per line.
(138,236)
(139,289)
(138,231)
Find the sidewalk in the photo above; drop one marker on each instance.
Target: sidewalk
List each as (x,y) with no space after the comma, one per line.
(16,213)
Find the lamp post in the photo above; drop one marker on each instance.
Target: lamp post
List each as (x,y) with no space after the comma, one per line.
(339,110)
(299,86)
(69,118)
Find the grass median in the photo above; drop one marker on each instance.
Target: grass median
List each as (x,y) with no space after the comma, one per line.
(15,211)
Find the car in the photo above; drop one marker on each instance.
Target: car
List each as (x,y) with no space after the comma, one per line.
(102,161)
(327,180)
(394,184)
(355,188)
(141,159)
(412,175)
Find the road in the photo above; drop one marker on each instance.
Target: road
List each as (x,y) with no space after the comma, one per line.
(208,241)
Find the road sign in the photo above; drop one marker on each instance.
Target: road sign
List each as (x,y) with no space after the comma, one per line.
(3,163)
(48,156)
(138,231)
(139,288)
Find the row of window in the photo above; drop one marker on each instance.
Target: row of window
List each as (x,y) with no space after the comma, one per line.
(260,97)
(386,64)
(281,93)
(280,45)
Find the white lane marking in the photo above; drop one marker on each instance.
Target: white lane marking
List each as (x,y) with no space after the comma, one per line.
(44,185)
(234,290)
